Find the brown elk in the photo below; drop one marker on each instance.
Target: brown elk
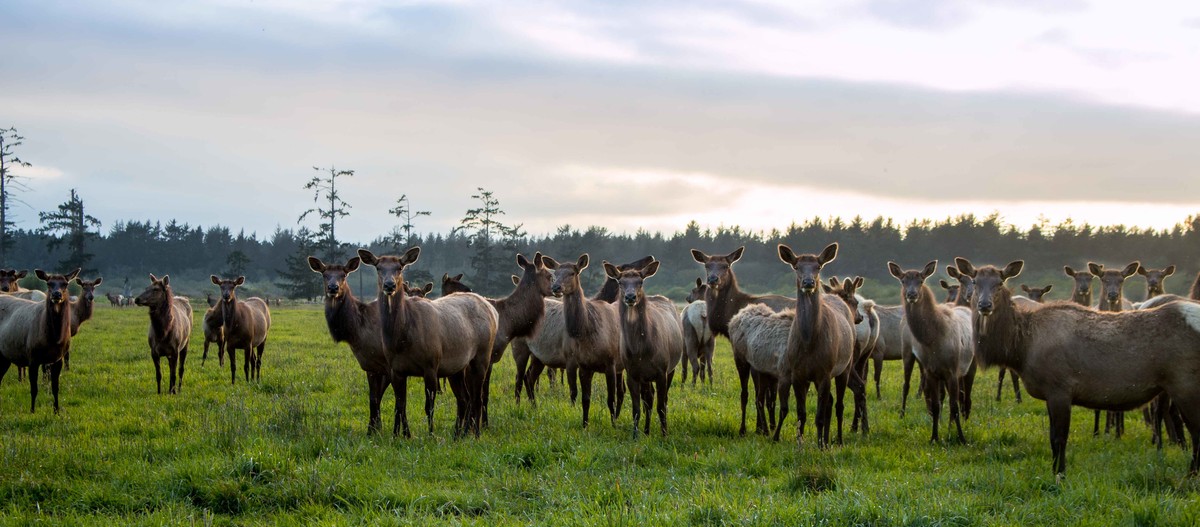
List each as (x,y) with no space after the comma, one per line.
(214,333)
(212,300)
(453,284)
(1156,279)
(966,287)
(820,346)
(356,323)
(951,292)
(866,333)
(593,337)
(697,336)
(246,324)
(651,342)
(1112,298)
(942,344)
(82,310)
(723,300)
(412,289)
(1161,408)
(1070,355)
(36,333)
(1082,292)
(1037,294)
(451,337)
(170,329)
(115,299)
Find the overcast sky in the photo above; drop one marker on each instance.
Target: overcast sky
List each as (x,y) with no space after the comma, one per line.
(626,114)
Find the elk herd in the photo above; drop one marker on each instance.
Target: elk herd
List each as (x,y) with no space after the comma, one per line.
(1107,355)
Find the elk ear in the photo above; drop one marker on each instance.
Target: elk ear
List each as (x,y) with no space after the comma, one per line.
(367,257)
(833,281)
(849,286)
(945,285)
(736,254)
(166,279)
(410,256)
(1012,270)
(826,288)
(352,264)
(1070,272)
(43,276)
(24,272)
(537,261)
(699,256)
(650,269)
(428,287)
(1170,270)
(153,278)
(73,274)
(315,264)
(523,262)
(829,254)
(930,268)
(953,271)
(1025,288)
(445,277)
(699,282)
(611,271)
(786,254)
(458,277)
(516,279)
(1095,268)
(551,263)
(98,280)
(1047,289)
(1130,269)
(79,281)
(895,270)
(964,266)
(212,277)
(240,280)
(1141,270)
(859,281)
(582,263)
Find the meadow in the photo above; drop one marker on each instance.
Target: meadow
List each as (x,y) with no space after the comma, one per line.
(293,449)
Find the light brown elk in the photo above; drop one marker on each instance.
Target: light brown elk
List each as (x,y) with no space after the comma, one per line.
(723,300)
(593,337)
(1156,279)
(1082,292)
(820,345)
(36,333)
(82,310)
(170,329)
(246,325)
(214,333)
(942,344)
(651,342)
(866,333)
(1070,355)
(356,323)
(450,337)
(698,338)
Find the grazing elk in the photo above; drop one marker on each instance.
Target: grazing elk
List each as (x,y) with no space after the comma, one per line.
(36,333)
(450,336)
(1112,298)
(820,345)
(651,342)
(1070,355)
(170,329)
(356,323)
(246,324)
(698,338)
(115,299)
(942,344)
(214,333)
(593,337)
(724,299)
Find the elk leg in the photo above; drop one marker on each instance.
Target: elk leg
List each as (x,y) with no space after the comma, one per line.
(55,371)
(956,412)
(258,361)
(933,404)
(610,380)
(520,356)
(1058,408)
(908,368)
(1000,386)
(620,390)
(825,405)
(769,386)
(858,387)
(462,408)
(182,362)
(840,406)
(1096,425)
(248,355)
(400,391)
(1016,382)
(662,385)
(374,394)
(635,393)
(431,391)
(782,389)
(158,372)
(572,377)
(172,363)
(67,359)
(647,402)
(966,385)
(5,364)
(221,352)
(743,371)
(760,394)
(585,397)
(801,393)
(479,398)
(232,365)
(33,387)
(531,378)
(708,359)
(878,360)
(20,373)
(204,356)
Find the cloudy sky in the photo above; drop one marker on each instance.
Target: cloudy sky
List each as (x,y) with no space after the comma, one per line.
(627,114)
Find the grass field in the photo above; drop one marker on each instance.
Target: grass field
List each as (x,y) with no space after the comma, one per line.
(292,449)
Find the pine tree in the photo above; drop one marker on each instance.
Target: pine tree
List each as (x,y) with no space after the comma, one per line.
(72,226)
(403,211)
(325,190)
(9,182)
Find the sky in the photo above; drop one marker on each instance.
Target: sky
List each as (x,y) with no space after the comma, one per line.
(625,114)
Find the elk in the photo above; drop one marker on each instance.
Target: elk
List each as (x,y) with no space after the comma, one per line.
(866,333)
(942,344)
(724,299)
(170,329)
(82,310)
(1071,355)
(951,292)
(451,336)
(9,279)
(593,337)
(651,342)
(36,333)
(966,287)
(1161,407)
(1112,298)
(1082,293)
(115,299)
(698,338)
(1037,294)
(245,327)
(356,323)
(214,332)
(212,300)
(412,289)
(820,345)
(453,284)
(1155,279)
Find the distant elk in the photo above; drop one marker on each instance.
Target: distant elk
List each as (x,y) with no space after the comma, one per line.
(1156,279)
(942,344)
(1037,294)
(1112,298)
(724,299)
(115,299)
(698,338)
(651,342)
(1161,408)
(33,333)
(245,327)
(412,289)
(170,330)
(451,336)
(1070,355)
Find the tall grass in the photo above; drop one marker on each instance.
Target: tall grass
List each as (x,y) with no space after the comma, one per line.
(293,449)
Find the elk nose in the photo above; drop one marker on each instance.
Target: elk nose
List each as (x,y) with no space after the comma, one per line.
(630,298)
(556,289)
(1112,296)
(985,306)
(808,283)
(712,280)
(389,287)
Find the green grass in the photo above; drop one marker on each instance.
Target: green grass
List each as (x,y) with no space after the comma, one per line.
(292,449)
